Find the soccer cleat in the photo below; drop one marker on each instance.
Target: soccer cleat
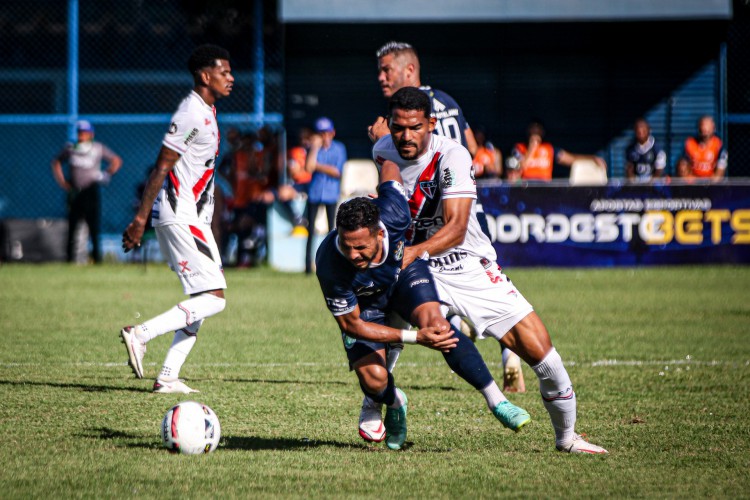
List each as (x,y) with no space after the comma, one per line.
(395,425)
(371,421)
(511,416)
(580,445)
(136,350)
(513,375)
(167,386)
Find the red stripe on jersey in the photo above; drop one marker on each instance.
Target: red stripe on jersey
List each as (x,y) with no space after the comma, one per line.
(417,199)
(201,184)
(175,182)
(197,233)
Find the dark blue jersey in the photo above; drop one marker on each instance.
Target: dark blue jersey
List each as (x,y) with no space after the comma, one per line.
(450,119)
(646,158)
(343,285)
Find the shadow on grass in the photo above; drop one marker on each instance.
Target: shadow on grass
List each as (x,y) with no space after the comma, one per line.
(250,443)
(272,381)
(83,387)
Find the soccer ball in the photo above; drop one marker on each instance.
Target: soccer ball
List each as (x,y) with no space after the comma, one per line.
(190,428)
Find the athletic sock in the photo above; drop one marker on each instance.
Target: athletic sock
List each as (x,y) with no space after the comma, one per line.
(177,354)
(182,344)
(180,316)
(558,396)
(493,395)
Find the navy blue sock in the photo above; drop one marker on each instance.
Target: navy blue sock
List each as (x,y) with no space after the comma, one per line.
(388,396)
(465,360)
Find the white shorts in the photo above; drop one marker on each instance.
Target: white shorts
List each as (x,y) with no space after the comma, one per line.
(477,289)
(192,253)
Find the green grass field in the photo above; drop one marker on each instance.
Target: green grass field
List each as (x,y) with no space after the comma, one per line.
(659,358)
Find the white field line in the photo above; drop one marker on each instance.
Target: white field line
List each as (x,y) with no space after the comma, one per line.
(591,364)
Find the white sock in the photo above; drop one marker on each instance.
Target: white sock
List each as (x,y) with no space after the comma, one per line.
(180,316)
(558,396)
(182,344)
(398,402)
(493,395)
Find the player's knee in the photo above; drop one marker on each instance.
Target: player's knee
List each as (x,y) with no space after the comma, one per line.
(373,379)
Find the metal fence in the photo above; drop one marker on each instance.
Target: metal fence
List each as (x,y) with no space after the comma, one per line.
(122,65)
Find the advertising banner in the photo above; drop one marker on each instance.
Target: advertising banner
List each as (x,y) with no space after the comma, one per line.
(618,224)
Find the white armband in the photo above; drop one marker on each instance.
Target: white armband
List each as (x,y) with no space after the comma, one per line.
(408,336)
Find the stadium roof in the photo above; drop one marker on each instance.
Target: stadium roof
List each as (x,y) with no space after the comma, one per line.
(448,11)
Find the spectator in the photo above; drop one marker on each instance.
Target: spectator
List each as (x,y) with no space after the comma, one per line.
(537,158)
(488,160)
(85,175)
(300,178)
(250,182)
(325,161)
(704,155)
(645,159)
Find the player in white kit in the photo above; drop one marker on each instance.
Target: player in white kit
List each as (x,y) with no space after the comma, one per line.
(438,178)
(180,197)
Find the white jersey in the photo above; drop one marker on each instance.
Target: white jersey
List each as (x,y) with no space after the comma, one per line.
(444,171)
(187,195)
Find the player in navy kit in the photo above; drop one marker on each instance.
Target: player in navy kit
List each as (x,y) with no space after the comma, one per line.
(645,159)
(359,267)
(179,198)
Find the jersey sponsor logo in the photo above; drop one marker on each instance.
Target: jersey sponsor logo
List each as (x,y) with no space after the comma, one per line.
(422,281)
(368,289)
(172,128)
(427,223)
(190,137)
(449,177)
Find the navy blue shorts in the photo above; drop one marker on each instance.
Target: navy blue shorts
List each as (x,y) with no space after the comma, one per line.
(414,288)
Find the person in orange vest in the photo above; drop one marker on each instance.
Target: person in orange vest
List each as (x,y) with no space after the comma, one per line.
(537,158)
(704,155)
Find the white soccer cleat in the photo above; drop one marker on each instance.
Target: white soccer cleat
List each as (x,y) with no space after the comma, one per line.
(136,350)
(580,445)
(371,426)
(513,375)
(171,386)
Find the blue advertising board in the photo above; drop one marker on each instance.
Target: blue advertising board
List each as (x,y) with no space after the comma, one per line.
(619,224)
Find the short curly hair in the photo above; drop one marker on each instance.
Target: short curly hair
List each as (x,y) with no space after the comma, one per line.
(205,56)
(358,213)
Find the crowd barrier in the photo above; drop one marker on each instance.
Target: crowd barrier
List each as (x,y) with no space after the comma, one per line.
(551,224)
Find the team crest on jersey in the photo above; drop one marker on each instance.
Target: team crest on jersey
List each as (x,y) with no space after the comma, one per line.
(449,177)
(429,188)
(399,253)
